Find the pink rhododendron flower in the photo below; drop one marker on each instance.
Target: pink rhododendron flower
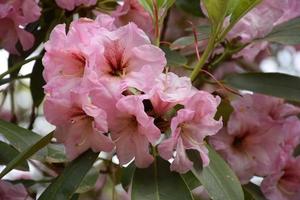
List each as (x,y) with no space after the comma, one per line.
(129,59)
(262,106)
(79,124)
(133,11)
(170,90)
(258,137)
(14,16)
(285,183)
(189,128)
(71,4)
(130,127)
(9,191)
(251,149)
(260,21)
(69,55)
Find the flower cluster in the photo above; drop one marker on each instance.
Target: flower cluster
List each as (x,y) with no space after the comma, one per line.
(260,139)
(260,21)
(106,90)
(14,16)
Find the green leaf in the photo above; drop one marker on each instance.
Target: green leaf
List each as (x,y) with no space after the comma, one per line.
(203,34)
(217,178)
(127,174)
(217,11)
(165,4)
(88,181)
(65,185)
(8,153)
(242,7)
(162,5)
(224,111)
(253,192)
(191,180)
(158,183)
(286,33)
(56,154)
(174,58)
(274,84)
(27,153)
(37,82)
(19,137)
(191,7)
(148,6)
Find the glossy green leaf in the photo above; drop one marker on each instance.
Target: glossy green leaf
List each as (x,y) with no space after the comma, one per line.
(191,7)
(20,138)
(174,58)
(89,181)
(65,185)
(242,7)
(217,178)
(253,192)
(37,82)
(286,33)
(158,183)
(8,153)
(274,84)
(27,153)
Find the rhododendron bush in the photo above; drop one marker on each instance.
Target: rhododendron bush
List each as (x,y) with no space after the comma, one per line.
(150,99)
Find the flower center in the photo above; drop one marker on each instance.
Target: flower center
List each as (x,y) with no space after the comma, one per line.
(75,67)
(114,56)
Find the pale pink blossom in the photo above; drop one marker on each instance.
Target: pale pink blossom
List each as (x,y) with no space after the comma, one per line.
(133,11)
(129,59)
(189,128)
(68,55)
(71,4)
(14,16)
(252,149)
(260,21)
(261,133)
(169,90)
(291,130)
(270,108)
(80,125)
(130,127)
(285,183)
(8,191)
